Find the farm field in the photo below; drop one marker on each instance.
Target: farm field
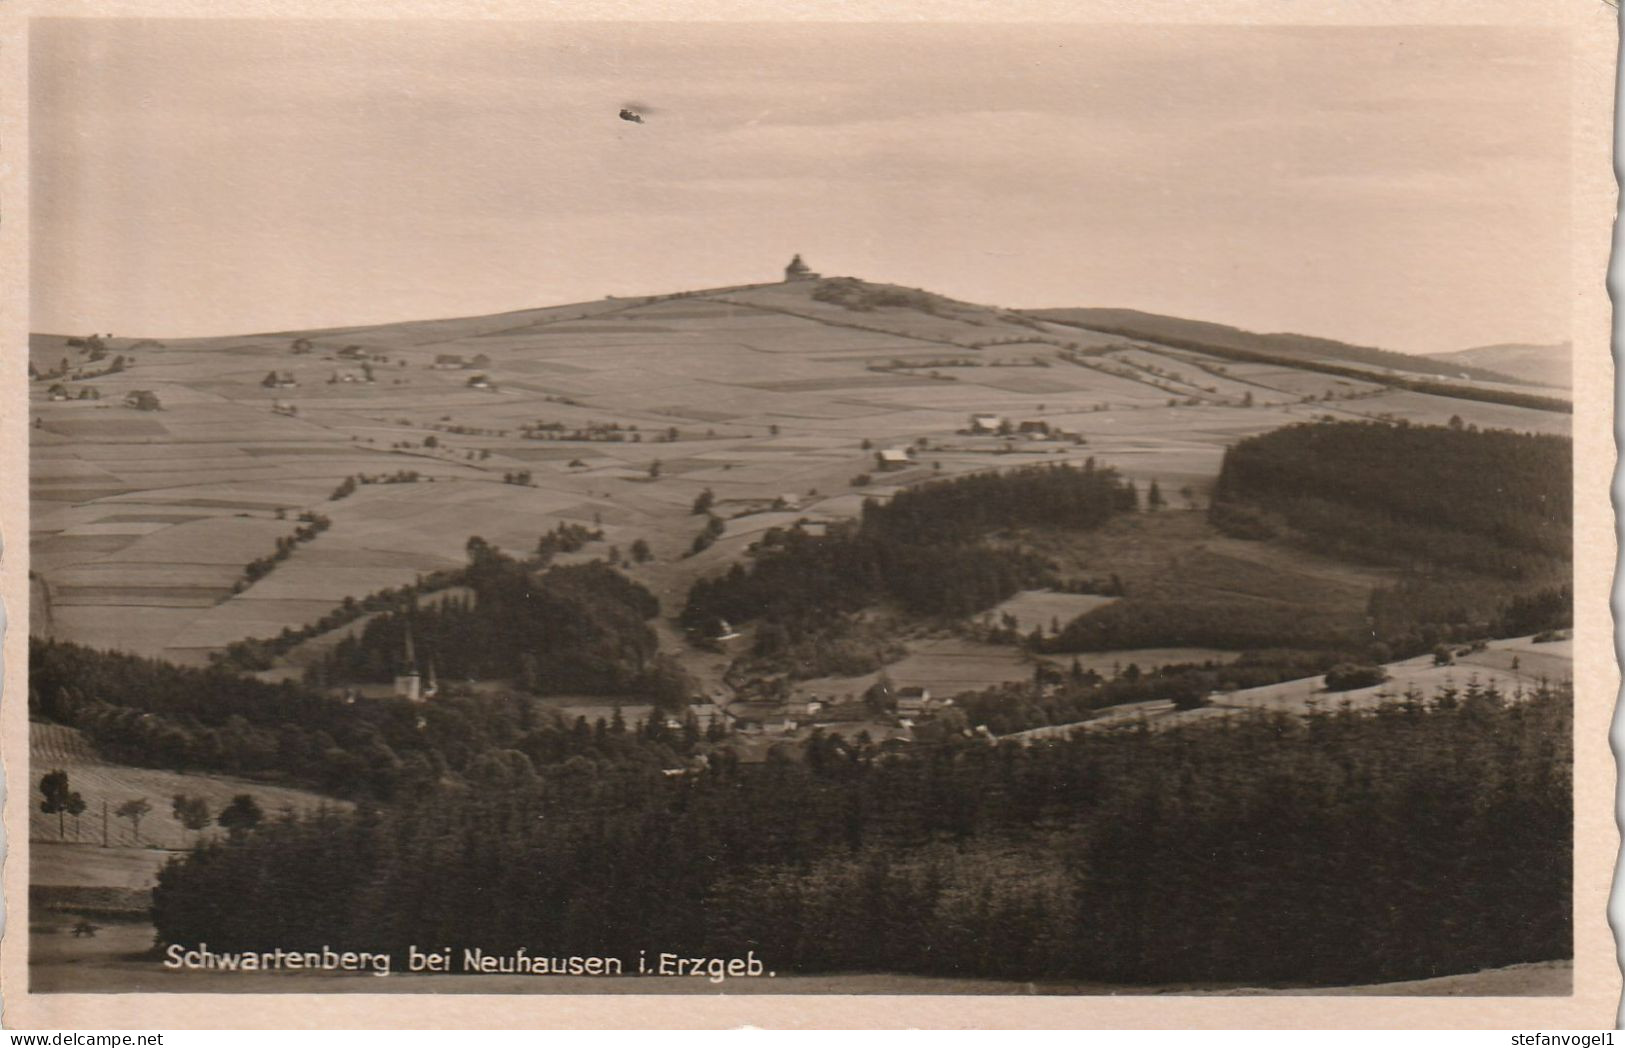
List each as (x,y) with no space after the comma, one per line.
(53,746)
(86,864)
(1492,666)
(1536,664)
(1037,609)
(951,665)
(1547,662)
(145,519)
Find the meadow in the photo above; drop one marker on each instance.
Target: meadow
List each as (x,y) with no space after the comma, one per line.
(54,746)
(143,517)
(770,405)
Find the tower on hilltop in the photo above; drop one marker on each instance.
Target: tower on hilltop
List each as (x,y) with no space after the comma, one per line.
(797,270)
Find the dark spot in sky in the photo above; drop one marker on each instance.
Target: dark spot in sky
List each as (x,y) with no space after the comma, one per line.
(632,115)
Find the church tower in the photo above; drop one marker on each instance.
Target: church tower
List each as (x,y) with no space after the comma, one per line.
(408,684)
(797,270)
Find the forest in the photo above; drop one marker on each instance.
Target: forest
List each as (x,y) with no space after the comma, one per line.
(1306,353)
(151,713)
(1427,837)
(579,628)
(1489,501)
(927,550)
(1477,524)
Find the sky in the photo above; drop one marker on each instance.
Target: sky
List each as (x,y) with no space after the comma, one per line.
(1404,187)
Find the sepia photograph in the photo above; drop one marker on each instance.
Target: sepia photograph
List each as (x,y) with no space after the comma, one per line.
(778,507)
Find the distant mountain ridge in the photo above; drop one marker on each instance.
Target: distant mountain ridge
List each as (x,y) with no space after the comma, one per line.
(1550,364)
(922,316)
(1154,327)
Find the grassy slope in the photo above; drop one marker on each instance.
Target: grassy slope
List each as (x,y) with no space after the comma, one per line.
(1303,347)
(53,746)
(1545,365)
(771,388)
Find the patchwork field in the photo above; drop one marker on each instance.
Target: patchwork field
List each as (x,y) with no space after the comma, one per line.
(617,413)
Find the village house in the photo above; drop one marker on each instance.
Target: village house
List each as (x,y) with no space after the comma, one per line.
(892,458)
(850,711)
(761,718)
(985,423)
(913,701)
(806,707)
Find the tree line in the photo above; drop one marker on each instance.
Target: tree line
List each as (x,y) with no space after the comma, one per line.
(1305,353)
(150,713)
(571,628)
(928,550)
(1490,501)
(1429,837)
(1478,523)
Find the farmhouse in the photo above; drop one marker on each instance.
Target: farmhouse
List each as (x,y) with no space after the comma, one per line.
(985,423)
(798,270)
(755,718)
(805,707)
(142,400)
(913,700)
(1033,427)
(849,712)
(892,458)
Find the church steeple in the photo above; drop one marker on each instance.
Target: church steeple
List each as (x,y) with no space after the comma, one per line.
(408,684)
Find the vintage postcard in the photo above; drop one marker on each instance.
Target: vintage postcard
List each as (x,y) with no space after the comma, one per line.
(1087,515)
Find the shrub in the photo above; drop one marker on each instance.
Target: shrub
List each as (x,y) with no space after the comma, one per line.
(1346,676)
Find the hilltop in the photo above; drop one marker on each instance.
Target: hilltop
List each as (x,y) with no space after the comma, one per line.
(791,518)
(1546,365)
(167,491)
